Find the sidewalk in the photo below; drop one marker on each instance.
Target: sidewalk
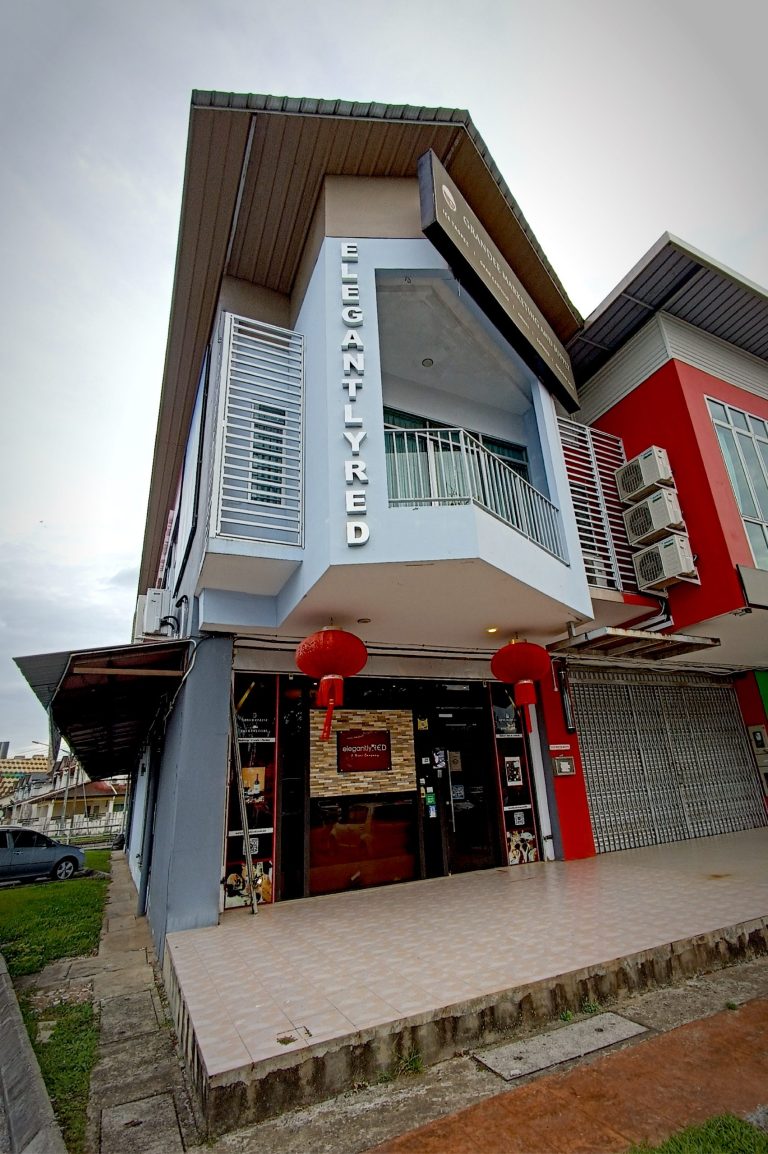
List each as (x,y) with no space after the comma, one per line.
(138,1100)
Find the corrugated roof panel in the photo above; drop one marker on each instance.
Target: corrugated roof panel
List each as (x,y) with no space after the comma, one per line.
(664,276)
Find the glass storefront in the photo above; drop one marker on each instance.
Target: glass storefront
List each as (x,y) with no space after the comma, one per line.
(418,779)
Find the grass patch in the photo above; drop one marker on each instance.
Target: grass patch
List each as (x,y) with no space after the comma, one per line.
(725,1134)
(66,1059)
(98,859)
(410,1063)
(41,923)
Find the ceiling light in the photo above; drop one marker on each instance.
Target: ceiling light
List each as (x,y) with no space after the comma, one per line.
(492,629)
(427,362)
(363,621)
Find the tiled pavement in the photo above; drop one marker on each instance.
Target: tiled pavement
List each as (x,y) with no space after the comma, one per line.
(304,972)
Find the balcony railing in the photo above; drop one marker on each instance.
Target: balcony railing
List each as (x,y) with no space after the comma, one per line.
(451,467)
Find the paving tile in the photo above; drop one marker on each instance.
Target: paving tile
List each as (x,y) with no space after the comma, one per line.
(148,1126)
(526,1056)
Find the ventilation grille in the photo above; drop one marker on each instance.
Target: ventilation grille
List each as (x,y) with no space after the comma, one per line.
(639,521)
(650,568)
(630,479)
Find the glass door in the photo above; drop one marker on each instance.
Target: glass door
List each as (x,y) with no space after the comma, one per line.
(462,772)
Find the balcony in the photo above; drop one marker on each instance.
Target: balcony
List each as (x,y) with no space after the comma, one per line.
(434,467)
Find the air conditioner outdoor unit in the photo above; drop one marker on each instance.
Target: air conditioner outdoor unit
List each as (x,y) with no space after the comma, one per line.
(653,518)
(155,608)
(665,563)
(643,474)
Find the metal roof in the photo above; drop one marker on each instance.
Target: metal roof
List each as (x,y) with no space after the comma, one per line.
(677,279)
(610,641)
(104,701)
(253,181)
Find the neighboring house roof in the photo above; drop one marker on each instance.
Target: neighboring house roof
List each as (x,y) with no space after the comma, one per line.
(674,278)
(35,763)
(254,177)
(14,771)
(89,789)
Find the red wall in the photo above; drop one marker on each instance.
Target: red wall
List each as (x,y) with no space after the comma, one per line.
(669,409)
(570,792)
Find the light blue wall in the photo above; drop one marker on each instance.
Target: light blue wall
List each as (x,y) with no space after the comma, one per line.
(184,884)
(397,535)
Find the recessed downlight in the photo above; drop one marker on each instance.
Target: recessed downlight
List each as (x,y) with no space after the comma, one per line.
(427,362)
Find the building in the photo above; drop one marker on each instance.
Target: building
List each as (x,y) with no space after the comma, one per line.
(17,773)
(62,802)
(382,417)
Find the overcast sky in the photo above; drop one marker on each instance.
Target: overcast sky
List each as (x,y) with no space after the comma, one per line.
(611,120)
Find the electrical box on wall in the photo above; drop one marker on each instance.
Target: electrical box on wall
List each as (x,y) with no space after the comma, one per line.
(664,563)
(759,738)
(653,518)
(644,474)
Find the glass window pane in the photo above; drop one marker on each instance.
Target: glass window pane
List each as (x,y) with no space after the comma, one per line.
(759,543)
(516,456)
(758,427)
(736,472)
(718,411)
(738,419)
(763,449)
(394,418)
(759,485)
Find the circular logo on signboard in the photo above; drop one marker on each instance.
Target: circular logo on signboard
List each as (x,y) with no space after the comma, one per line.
(448,198)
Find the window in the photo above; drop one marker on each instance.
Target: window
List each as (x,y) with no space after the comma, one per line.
(513,455)
(744,442)
(28,839)
(267,448)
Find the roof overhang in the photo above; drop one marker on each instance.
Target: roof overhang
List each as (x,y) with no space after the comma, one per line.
(104,701)
(673,278)
(254,177)
(636,643)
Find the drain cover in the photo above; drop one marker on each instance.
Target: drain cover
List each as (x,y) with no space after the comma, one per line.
(516,1059)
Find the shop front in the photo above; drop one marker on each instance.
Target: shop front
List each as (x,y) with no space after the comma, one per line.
(416,779)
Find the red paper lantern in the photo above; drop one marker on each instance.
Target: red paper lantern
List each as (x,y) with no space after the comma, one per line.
(331,654)
(520,664)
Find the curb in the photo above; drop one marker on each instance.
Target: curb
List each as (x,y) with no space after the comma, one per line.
(28,1115)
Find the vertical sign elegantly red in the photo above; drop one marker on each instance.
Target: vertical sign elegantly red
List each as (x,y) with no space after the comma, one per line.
(353,368)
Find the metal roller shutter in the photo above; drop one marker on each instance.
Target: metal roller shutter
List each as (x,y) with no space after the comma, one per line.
(666,757)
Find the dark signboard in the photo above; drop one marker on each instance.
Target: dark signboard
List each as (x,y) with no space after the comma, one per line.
(457,234)
(363,750)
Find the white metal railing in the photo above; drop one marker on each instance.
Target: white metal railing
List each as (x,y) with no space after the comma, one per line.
(260,452)
(451,467)
(591,460)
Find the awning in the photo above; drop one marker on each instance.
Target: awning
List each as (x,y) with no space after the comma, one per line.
(104,701)
(610,641)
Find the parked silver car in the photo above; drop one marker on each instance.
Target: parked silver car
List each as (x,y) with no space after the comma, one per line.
(25,853)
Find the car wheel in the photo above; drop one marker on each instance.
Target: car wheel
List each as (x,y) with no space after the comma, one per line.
(64,869)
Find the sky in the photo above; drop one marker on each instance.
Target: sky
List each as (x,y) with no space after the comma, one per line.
(612,121)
